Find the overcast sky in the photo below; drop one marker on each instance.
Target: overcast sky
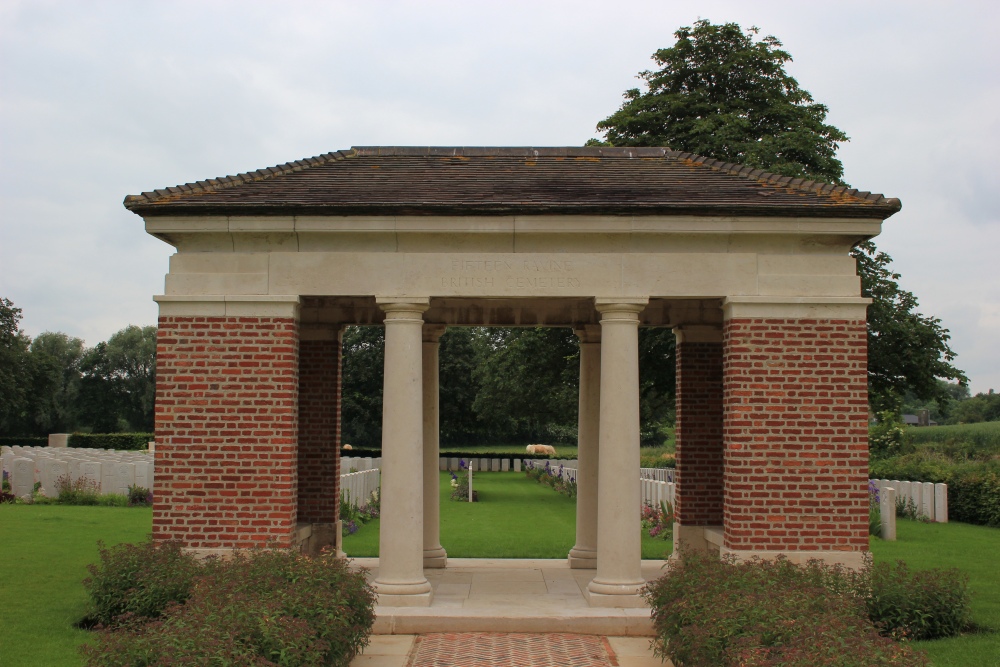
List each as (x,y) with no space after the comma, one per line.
(103,99)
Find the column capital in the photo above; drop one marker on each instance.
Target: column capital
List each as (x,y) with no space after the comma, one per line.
(698,333)
(588,333)
(432,332)
(402,308)
(624,308)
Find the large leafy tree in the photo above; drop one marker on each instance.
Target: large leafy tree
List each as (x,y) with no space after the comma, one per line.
(722,93)
(907,351)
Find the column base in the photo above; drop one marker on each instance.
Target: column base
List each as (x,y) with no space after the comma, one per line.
(435,558)
(616,600)
(404,594)
(582,559)
(696,538)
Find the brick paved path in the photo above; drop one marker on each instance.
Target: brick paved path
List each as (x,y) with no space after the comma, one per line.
(480,649)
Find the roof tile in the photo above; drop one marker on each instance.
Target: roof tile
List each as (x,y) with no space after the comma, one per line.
(424,180)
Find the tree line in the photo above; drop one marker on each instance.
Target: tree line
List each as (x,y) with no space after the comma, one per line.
(54,384)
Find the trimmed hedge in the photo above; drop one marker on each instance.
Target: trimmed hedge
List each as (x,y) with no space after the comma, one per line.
(24,441)
(973,487)
(121,441)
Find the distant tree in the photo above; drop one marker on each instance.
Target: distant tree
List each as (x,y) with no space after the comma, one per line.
(907,351)
(459,386)
(55,382)
(528,383)
(724,94)
(118,383)
(361,386)
(14,370)
(983,407)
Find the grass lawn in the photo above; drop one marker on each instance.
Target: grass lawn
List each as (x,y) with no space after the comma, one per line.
(44,552)
(509,505)
(973,550)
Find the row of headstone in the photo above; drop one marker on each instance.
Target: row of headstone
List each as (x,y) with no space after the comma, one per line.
(358,487)
(653,492)
(926,499)
(359,463)
(103,470)
(659,474)
(480,464)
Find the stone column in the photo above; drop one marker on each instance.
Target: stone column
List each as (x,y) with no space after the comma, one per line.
(434,554)
(619,556)
(583,555)
(401,580)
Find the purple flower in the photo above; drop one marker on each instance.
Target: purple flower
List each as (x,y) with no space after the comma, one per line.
(461,464)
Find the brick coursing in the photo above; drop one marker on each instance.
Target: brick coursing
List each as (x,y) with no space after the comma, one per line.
(319,430)
(699,434)
(226,429)
(796,438)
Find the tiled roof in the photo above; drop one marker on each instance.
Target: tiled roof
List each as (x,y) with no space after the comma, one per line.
(505,181)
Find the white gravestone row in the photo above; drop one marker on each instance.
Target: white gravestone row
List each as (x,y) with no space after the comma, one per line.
(107,470)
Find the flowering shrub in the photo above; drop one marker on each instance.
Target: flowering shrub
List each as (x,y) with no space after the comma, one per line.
(353,516)
(874,510)
(81,491)
(259,608)
(138,581)
(658,521)
(553,477)
(721,613)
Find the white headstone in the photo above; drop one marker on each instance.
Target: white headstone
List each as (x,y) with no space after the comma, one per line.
(23,477)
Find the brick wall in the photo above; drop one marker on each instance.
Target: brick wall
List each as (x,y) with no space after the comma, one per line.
(319,430)
(699,434)
(796,438)
(226,428)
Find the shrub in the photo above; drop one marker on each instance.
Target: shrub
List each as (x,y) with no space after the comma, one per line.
(139,496)
(716,612)
(885,437)
(24,441)
(138,581)
(81,491)
(260,608)
(658,521)
(927,604)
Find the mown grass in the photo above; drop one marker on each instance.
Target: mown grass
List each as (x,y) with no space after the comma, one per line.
(515,518)
(44,553)
(971,549)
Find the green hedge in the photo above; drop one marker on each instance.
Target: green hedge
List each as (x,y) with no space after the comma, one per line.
(130,441)
(18,441)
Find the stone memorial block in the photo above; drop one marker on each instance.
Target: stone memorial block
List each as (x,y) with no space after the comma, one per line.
(927,500)
(941,503)
(91,471)
(57,469)
(142,477)
(442,463)
(517,465)
(23,478)
(504,465)
(452,464)
(123,477)
(495,465)
(484,464)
